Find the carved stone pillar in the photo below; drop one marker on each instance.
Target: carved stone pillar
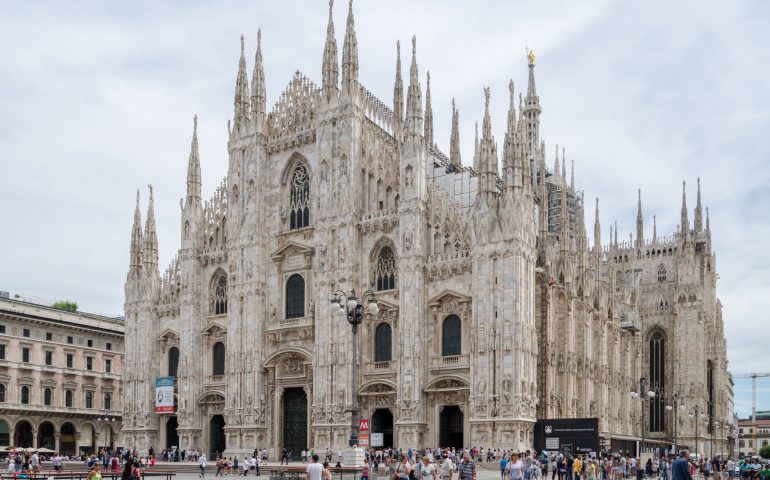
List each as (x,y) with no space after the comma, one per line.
(277,437)
(56,438)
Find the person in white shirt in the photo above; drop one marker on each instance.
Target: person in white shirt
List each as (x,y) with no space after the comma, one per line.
(427,470)
(35,462)
(202,464)
(515,469)
(314,469)
(447,468)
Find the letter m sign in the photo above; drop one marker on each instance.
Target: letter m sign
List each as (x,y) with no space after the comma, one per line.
(363,425)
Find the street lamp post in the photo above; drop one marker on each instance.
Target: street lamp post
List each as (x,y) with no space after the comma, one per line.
(696,415)
(348,304)
(650,394)
(675,409)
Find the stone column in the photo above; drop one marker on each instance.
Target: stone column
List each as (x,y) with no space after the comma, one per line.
(34,438)
(278,392)
(77,443)
(56,438)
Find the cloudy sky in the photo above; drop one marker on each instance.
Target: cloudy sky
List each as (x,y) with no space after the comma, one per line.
(97,99)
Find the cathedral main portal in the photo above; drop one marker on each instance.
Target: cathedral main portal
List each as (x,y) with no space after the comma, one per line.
(295,421)
(451,427)
(217,438)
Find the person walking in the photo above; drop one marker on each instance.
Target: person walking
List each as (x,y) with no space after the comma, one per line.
(314,469)
(467,468)
(680,469)
(202,465)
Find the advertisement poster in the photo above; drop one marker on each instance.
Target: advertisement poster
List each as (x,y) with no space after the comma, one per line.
(164,395)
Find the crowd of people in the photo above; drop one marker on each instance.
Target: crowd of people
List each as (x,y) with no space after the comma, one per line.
(412,464)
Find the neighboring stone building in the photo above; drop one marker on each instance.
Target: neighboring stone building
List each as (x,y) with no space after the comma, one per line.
(474,269)
(60,378)
(752,437)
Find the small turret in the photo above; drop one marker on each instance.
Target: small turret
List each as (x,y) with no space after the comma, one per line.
(330,71)
(639,222)
(428,133)
(654,229)
(350,57)
(572,177)
(258,91)
(454,139)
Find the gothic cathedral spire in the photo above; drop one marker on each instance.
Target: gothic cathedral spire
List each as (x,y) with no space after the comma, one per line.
(698,211)
(414,118)
(330,69)
(454,139)
(511,164)
(487,152)
(428,133)
(350,57)
(241,101)
(532,113)
(194,169)
(136,240)
(639,222)
(150,239)
(684,226)
(398,90)
(258,91)
(597,230)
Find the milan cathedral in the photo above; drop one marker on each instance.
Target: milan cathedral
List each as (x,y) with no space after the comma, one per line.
(494,308)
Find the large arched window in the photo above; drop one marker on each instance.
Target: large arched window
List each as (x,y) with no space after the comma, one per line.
(661,273)
(657,381)
(89,400)
(218,359)
(219,295)
(173,361)
(383,335)
(47,397)
(69,400)
(299,208)
(385,270)
(295,296)
(451,336)
(25,394)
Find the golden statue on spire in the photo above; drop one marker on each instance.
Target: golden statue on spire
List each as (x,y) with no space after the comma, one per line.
(531,57)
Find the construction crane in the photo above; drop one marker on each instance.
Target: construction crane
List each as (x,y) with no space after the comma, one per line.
(753,377)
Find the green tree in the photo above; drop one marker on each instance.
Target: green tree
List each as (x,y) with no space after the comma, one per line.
(66,305)
(764,452)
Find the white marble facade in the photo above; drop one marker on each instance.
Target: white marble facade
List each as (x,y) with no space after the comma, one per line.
(333,189)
